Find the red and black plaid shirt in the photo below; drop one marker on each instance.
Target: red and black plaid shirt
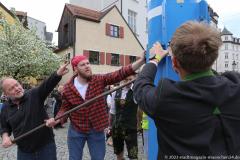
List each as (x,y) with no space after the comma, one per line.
(95,115)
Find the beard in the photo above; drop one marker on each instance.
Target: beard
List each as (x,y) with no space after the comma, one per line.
(16,98)
(85,75)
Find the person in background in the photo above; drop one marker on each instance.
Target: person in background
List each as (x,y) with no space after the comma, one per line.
(88,123)
(197,116)
(111,116)
(124,129)
(57,95)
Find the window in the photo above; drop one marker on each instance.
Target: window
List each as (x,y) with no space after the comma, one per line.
(115,59)
(132,20)
(114,31)
(226,64)
(226,38)
(132,59)
(226,55)
(226,46)
(94,57)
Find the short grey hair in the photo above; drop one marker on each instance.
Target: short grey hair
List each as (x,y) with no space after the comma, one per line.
(1,82)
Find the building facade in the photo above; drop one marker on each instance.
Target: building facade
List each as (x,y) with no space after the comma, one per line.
(6,14)
(37,25)
(134,12)
(40,29)
(104,37)
(229,53)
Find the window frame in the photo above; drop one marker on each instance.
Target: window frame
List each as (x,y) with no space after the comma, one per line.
(132,20)
(94,57)
(115,57)
(226,55)
(132,59)
(114,31)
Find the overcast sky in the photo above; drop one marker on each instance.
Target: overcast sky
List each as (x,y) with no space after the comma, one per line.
(50,11)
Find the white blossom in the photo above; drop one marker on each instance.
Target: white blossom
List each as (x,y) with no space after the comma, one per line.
(22,54)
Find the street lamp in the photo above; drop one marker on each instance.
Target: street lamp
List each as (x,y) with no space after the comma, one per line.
(234,64)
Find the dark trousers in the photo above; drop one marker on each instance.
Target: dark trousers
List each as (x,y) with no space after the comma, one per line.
(47,152)
(121,135)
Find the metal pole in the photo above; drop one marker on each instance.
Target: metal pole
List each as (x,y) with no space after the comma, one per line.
(72,110)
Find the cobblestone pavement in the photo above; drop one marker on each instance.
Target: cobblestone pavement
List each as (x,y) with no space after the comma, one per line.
(62,152)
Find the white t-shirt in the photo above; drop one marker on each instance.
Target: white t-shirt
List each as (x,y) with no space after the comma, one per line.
(82,89)
(113,108)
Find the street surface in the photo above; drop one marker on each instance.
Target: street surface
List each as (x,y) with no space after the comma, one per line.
(62,152)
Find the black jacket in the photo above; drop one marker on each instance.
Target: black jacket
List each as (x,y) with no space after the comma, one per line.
(196,117)
(29,114)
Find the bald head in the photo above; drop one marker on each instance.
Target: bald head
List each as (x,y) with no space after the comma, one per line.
(11,88)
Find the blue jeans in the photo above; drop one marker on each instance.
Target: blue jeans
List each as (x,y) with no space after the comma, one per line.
(47,152)
(95,141)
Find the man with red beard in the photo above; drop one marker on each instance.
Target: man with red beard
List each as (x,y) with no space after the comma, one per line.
(88,123)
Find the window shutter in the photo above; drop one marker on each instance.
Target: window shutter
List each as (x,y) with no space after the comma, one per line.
(109,57)
(86,53)
(121,60)
(102,58)
(127,60)
(121,32)
(107,29)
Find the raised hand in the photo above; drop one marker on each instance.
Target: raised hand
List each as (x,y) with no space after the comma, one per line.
(62,70)
(158,51)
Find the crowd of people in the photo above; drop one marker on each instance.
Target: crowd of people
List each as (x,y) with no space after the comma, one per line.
(195,116)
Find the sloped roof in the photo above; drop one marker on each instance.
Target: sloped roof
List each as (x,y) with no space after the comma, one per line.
(92,15)
(86,13)
(226,32)
(21,13)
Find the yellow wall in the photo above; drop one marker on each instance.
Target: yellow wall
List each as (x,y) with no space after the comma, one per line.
(6,15)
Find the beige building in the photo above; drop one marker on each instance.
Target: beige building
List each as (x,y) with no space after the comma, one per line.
(104,37)
(6,14)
